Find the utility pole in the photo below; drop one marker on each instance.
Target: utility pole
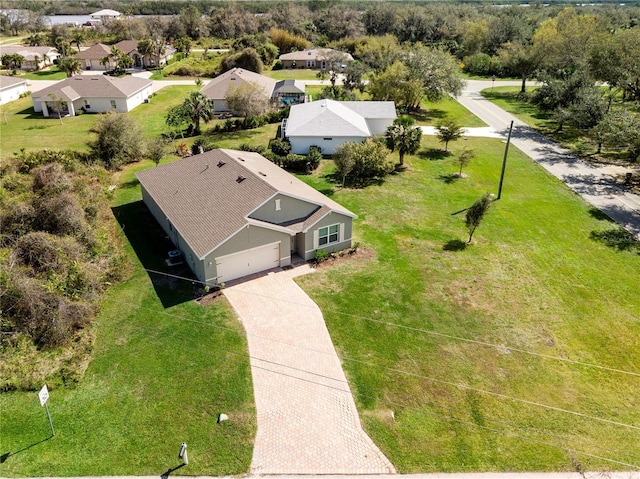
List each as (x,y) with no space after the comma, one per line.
(504,161)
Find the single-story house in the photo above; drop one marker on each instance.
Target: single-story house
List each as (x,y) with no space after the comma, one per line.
(91,57)
(329,123)
(93,94)
(35,58)
(316,58)
(235,213)
(218,88)
(11,88)
(106,15)
(289,92)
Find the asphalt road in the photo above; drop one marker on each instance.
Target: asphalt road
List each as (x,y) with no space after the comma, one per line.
(593,183)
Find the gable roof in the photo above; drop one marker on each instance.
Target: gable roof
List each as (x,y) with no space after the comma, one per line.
(290,86)
(217,88)
(94,52)
(127,46)
(94,86)
(9,82)
(207,204)
(315,54)
(105,13)
(336,118)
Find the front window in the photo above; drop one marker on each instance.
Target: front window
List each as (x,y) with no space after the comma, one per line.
(328,235)
(113,104)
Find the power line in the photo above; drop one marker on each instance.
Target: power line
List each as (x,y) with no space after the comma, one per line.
(500,347)
(393,403)
(429,378)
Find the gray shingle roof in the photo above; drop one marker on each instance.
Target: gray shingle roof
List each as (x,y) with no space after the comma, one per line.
(94,52)
(217,88)
(7,82)
(94,86)
(206,203)
(29,53)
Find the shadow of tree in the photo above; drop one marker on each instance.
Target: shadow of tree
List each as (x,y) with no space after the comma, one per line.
(454,245)
(599,215)
(151,245)
(433,154)
(427,116)
(616,238)
(448,179)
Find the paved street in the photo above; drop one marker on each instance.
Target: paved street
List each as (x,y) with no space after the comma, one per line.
(307,419)
(594,184)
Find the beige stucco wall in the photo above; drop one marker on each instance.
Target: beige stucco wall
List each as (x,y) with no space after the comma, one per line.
(290,209)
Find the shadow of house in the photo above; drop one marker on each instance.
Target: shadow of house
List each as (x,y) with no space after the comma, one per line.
(173,284)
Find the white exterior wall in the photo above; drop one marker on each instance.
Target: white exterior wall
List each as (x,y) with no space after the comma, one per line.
(138,98)
(12,93)
(379,126)
(300,144)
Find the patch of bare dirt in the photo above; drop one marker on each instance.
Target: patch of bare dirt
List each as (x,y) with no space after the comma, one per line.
(357,253)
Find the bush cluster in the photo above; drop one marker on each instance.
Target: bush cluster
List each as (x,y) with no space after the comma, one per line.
(237,124)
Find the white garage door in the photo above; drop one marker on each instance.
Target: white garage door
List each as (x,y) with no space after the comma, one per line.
(247,262)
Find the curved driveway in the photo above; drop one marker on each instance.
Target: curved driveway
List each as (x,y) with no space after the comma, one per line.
(592,183)
(307,419)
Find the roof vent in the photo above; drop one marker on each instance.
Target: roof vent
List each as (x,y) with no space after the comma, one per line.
(241,159)
(263,174)
(240,179)
(221,164)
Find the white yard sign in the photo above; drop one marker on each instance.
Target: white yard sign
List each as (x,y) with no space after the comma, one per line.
(43,395)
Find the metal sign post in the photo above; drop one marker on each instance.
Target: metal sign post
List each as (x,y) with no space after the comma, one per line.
(44,395)
(183,453)
(504,161)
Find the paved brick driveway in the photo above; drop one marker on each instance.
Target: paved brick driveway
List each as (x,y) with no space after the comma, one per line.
(307,418)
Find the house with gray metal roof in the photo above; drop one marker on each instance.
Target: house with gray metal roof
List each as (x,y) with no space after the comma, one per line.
(93,94)
(329,123)
(235,213)
(11,88)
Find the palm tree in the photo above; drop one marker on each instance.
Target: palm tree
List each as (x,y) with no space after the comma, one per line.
(145,49)
(198,107)
(70,65)
(404,137)
(448,130)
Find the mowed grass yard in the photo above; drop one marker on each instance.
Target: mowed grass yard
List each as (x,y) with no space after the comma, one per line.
(164,367)
(414,320)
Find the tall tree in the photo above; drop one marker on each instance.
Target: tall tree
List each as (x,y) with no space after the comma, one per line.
(475,214)
(248,98)
(396,84)
(70,65)
(192,22)
(404,137)
(198,108)
(436,68)
(448,130)
(520,59)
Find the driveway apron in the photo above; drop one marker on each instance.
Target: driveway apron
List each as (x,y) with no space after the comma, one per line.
(307,418)
(590,182)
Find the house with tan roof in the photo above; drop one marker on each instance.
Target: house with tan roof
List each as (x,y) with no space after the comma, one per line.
(218,88)
(235,213)
(93,94)
(35,58)
(91,57)
(328,123)
(11,88)
(315,58)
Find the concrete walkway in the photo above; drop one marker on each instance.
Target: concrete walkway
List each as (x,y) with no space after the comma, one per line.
(594,184)
(307,418)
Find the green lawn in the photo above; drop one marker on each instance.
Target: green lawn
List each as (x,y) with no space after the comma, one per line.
(24,125)
(301,74)
(533,279)
(164,367)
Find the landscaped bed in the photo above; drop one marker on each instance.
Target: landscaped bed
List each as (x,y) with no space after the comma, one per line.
(546,274)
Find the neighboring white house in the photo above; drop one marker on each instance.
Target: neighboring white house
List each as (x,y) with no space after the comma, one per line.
(235,213)
(93,94)
(35,58)
(11,88)
(218,88)
(315,58)
(329,123)
(105,15)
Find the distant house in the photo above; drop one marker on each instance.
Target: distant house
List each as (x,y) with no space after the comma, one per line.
(11,88)
(235,213)
(92,57)
(329,123)
(93,94)
(35,58)
(106,15)
(316,58)
(218,88)
(289,92)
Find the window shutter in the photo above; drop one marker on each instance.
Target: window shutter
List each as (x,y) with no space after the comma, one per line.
(315,239)
(341,231)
